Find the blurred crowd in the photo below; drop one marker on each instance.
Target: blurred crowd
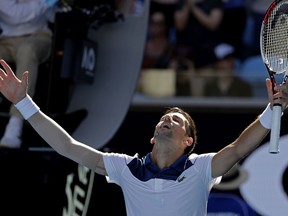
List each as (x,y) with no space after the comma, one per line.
(198,48)
(213,47)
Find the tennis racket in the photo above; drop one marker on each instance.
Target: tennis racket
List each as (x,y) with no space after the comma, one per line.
(274,51)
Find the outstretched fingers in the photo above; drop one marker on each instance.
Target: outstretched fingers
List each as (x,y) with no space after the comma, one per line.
(6,67)
(8,71)
(3,75)
(11,87)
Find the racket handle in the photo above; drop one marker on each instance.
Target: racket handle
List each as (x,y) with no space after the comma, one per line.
(275,129)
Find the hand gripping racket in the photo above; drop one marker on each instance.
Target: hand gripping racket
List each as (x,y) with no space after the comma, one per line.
(274,51)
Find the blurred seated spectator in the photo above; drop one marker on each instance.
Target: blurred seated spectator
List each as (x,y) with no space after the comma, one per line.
(26,41)
(156,63)
(226,83)
(158,48)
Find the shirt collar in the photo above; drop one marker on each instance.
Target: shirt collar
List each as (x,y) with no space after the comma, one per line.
(179,165)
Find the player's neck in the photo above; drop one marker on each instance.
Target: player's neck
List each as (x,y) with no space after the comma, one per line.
(164,158)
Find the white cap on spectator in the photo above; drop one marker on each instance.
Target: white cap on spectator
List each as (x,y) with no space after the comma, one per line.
(223,50)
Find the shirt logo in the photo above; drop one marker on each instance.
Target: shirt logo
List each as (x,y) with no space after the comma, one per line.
(180,179)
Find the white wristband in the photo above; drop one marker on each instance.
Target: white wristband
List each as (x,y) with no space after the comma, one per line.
(27,107)
(266,117)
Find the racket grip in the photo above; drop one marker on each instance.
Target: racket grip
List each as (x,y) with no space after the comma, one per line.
(275,129)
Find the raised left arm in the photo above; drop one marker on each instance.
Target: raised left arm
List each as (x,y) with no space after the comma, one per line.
(252,136)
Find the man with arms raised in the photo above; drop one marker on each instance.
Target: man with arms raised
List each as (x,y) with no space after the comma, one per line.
(170,180)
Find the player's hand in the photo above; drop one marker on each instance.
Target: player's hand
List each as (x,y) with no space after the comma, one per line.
(11,87)
(281,95)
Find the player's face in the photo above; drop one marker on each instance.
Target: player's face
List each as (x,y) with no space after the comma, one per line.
(172,125)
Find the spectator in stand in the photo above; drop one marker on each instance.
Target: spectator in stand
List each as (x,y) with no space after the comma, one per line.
(26,42)
(156,66)
(158,49)
(197,24)
(226,83)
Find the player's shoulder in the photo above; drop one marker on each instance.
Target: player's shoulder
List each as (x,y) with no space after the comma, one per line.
(119,156)
(205,156)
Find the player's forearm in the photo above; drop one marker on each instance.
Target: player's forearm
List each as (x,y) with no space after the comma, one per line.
(254,134)
(51,132)
(58,138)
(250,139)
(65,145)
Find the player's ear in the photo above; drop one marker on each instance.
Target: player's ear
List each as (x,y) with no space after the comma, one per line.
(189,141)
(152,141)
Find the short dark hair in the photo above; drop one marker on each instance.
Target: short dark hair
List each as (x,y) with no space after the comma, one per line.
(190,128)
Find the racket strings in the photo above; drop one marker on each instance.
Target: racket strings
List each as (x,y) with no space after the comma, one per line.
(275,39)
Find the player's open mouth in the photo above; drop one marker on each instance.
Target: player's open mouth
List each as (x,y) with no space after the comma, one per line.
(165,126)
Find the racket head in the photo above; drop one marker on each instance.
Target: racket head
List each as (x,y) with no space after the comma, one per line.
(274,37)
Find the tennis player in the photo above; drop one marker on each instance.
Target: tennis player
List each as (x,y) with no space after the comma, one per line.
(170,180)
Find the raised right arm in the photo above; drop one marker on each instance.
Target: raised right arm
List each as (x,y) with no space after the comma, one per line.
(65,144)
(15,90)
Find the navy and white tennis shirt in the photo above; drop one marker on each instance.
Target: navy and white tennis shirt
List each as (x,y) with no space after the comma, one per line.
(181,189)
